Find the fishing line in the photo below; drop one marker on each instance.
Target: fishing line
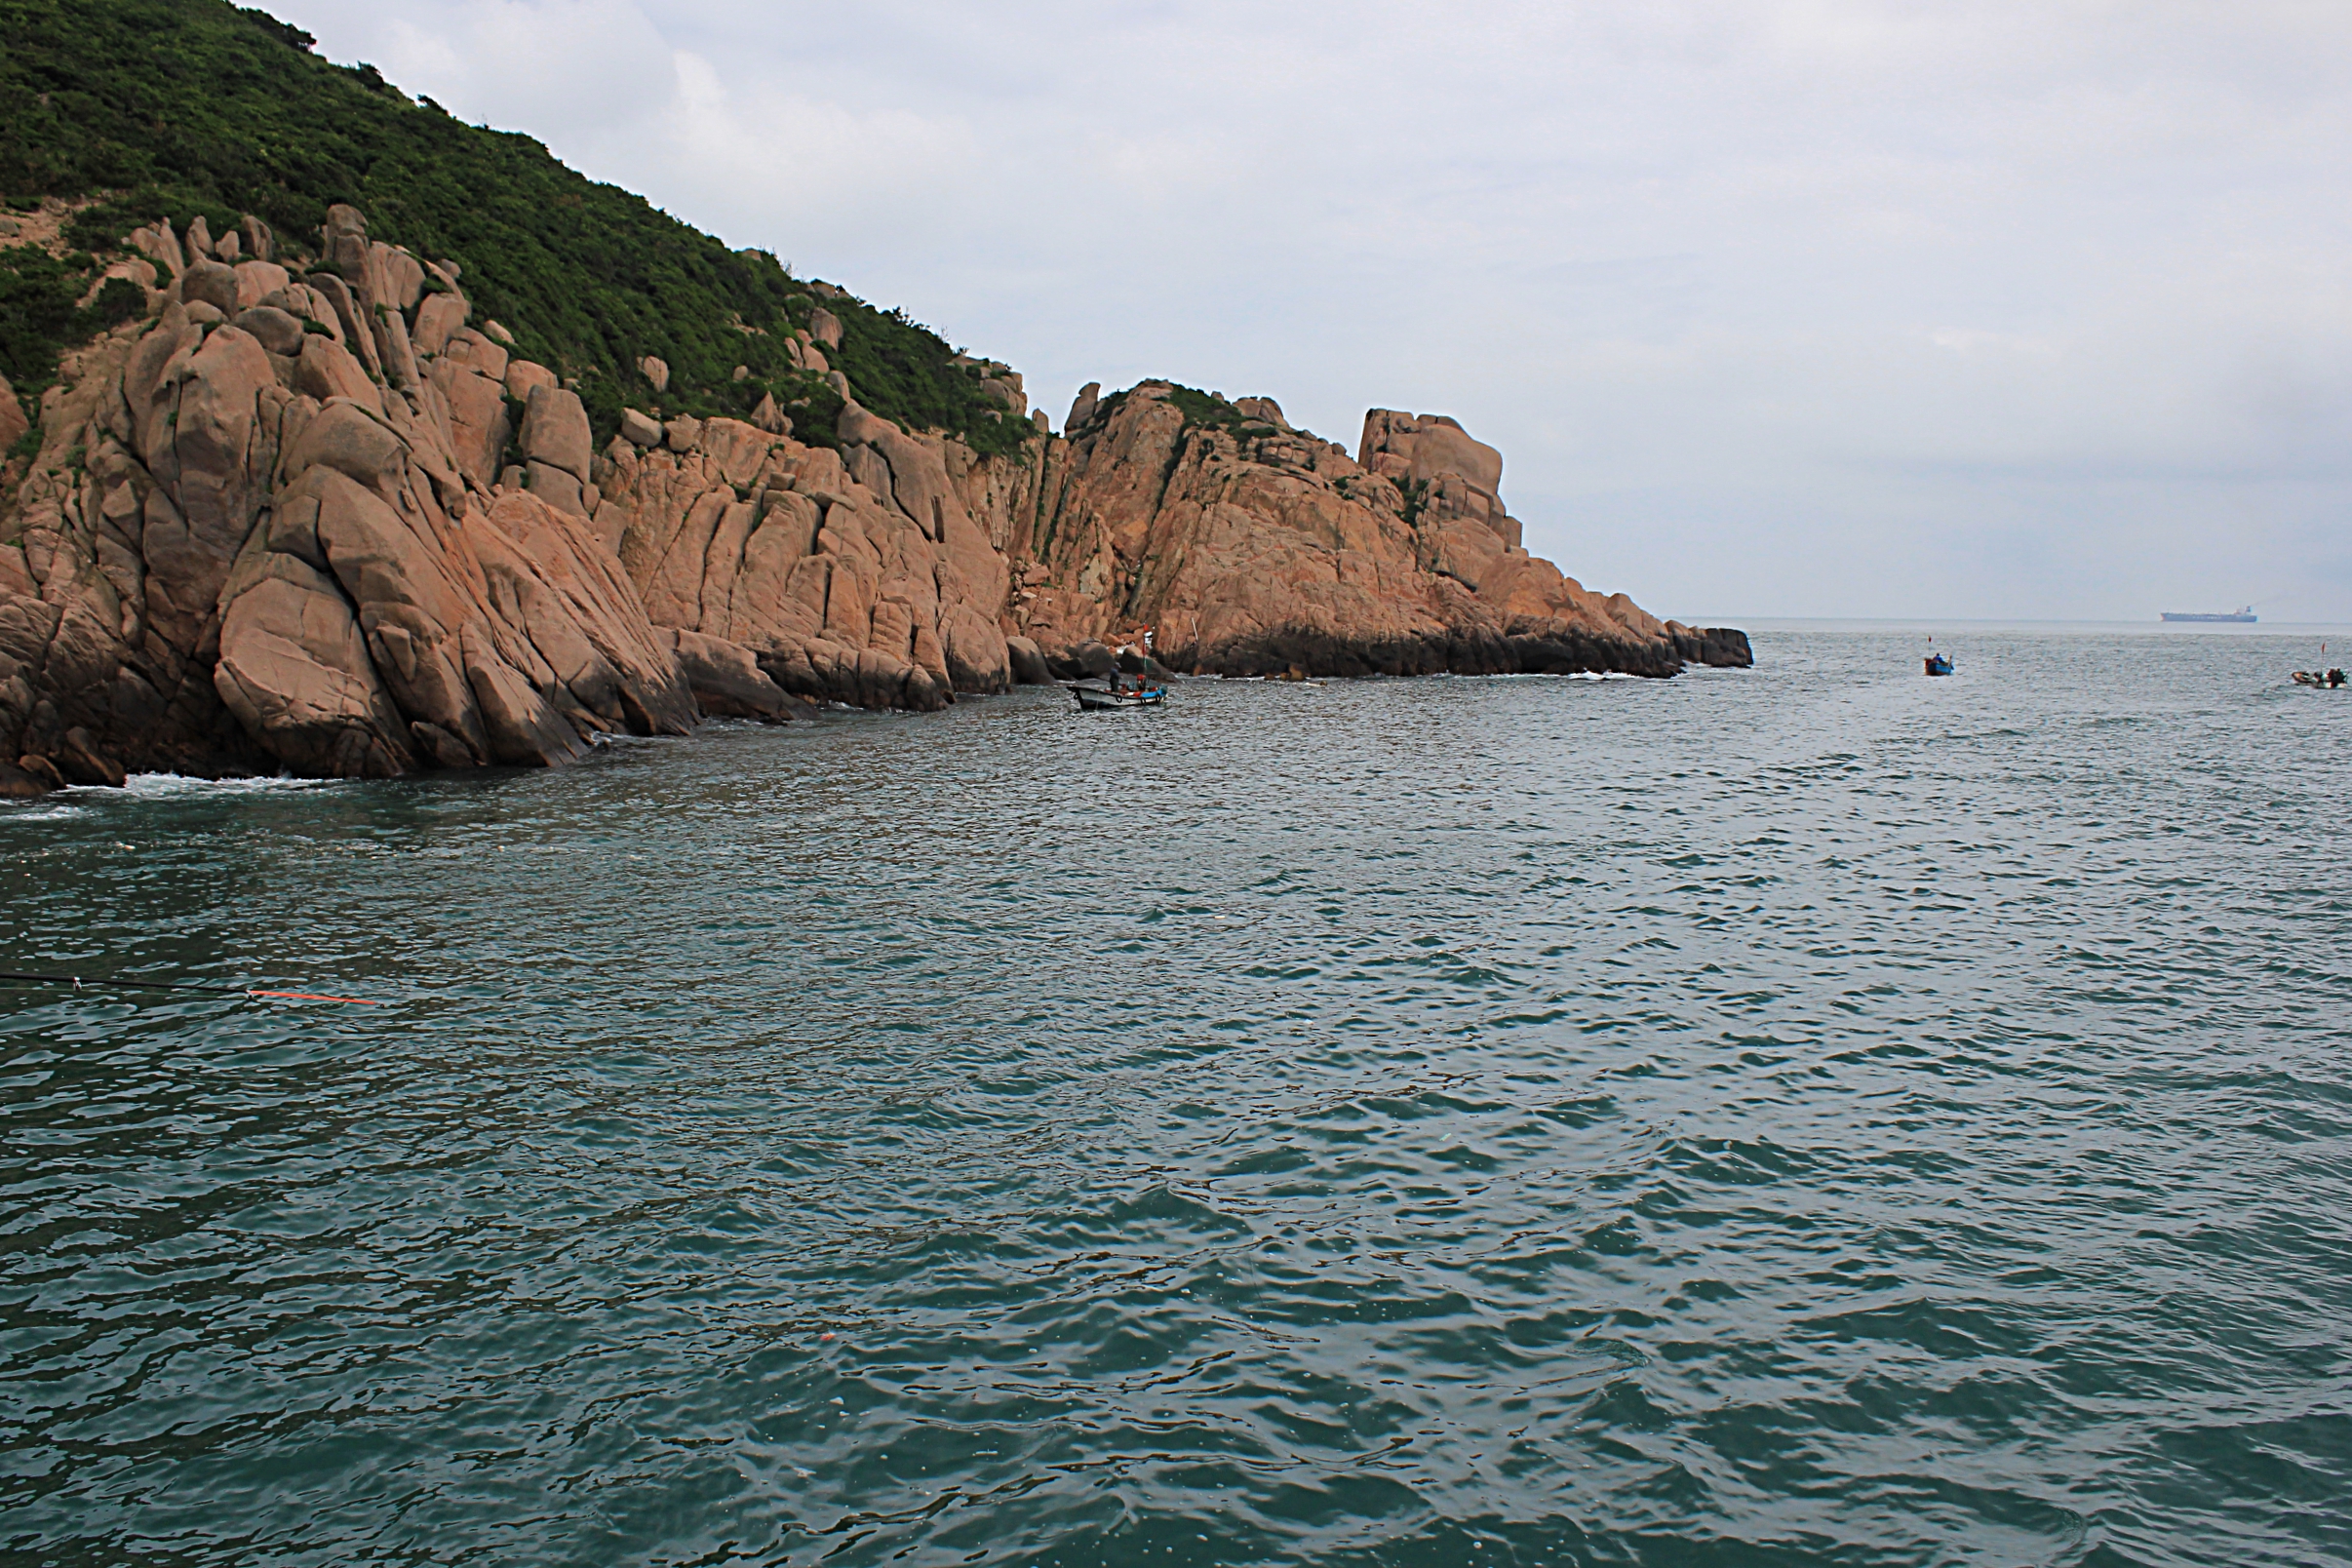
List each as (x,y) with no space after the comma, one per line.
(78,982)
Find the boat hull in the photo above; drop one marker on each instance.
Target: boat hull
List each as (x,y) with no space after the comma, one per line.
(2240,619)
(1094,699)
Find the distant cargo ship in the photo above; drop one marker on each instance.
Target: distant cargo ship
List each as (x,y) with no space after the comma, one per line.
(2242,616)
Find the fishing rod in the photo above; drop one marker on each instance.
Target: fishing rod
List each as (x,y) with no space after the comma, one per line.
(78,982)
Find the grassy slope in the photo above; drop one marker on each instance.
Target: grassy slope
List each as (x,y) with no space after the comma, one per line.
(176,107)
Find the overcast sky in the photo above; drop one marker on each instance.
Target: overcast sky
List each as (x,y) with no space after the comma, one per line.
(1833,308)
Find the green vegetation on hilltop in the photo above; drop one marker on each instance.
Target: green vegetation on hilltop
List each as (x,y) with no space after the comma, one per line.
(1208,411)
(40,309)
(175,109)
(1201,411)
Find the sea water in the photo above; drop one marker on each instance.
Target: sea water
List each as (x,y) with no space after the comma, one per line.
(1808,1115)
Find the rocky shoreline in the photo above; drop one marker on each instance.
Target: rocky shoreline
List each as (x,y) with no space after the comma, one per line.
(305,515)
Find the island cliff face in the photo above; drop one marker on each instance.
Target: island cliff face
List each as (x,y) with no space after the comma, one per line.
(1255,549)
(317,520)
(250,543)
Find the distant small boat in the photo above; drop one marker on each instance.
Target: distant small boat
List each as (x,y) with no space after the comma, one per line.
(1094,699)
(2242,616)
(2328,680)
(1937,664)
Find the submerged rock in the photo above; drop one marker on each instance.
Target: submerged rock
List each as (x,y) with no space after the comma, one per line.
(726,678)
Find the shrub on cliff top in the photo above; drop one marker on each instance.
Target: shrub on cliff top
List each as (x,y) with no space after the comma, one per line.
(1208,411)
(184,108)
(39,312)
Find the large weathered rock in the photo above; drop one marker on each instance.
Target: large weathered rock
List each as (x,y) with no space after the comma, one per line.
(479,427)
(726,678)
(501,635)
(326,371)
(555,431)
(559,488)
(228,558)
(523,378)
(478,353)
(159,245)
(1028,661)
(393,348)
(1007,396)
(402,276)
(352,332)
(110,572)
(212,283)
(295,670)
(879,592)
(345,437)
(273,329)
(257,281)
(1428,445)
(440,318)
(83,761)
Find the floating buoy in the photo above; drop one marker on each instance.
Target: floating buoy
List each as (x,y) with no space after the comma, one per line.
(78,982)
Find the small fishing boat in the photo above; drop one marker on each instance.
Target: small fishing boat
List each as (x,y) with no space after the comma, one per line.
(1938,664)
(1094,698)
(2325,680)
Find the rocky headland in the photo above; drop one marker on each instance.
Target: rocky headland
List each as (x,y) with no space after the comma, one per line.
(301,512)
(281,495)
(1254,548)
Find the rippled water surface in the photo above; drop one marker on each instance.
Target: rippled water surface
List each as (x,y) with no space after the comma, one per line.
(1815,1114)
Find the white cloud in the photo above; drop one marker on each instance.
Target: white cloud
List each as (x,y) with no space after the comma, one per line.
(523,63)
(1807,306)
(765,149)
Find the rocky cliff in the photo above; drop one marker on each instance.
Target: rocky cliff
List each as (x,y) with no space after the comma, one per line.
(1254,548)
(301,512)
(256,537)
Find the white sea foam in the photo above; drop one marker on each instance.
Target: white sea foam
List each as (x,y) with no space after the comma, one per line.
(1562,675)
(170,784)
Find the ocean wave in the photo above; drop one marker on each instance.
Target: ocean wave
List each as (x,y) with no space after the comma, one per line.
(156,786)
(1801,1118)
